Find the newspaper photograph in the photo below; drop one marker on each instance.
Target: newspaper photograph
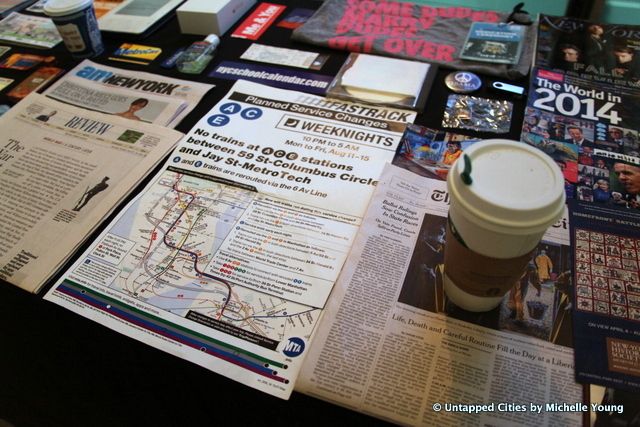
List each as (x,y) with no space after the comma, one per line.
(63,170)
(130,94)
(391,345)
(228,256)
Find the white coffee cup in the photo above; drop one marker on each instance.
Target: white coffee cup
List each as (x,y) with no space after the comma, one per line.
(77,24)
(504,196)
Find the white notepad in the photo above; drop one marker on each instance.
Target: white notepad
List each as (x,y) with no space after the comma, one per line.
(386,75)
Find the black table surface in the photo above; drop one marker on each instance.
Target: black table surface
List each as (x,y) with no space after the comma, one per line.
(59,369)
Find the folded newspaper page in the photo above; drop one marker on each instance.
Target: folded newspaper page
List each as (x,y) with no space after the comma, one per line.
(130,94)
(228,256)
(391,345)
(63,169)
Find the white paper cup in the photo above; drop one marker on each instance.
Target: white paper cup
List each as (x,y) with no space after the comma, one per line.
(516,193)
(77,24)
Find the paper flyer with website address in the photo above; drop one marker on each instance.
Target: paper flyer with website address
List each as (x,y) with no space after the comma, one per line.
(229,254)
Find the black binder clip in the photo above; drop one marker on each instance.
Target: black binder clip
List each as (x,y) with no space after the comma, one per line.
(519,16)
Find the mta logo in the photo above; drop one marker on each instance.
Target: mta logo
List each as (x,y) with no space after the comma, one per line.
(294,347)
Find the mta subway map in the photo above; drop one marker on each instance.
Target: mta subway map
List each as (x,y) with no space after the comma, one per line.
(165,247)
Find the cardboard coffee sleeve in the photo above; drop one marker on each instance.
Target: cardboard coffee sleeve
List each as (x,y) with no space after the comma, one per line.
(504,195)
(480,275)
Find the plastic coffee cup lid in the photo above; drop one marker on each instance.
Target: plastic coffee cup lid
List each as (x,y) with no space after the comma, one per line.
(65,7)
(513,187)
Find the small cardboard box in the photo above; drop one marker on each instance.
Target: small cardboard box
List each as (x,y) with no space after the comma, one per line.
(211,16)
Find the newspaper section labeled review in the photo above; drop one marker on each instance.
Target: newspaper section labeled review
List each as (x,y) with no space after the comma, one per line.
(133,95)
(228,256)
(385,346)
(63,169)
